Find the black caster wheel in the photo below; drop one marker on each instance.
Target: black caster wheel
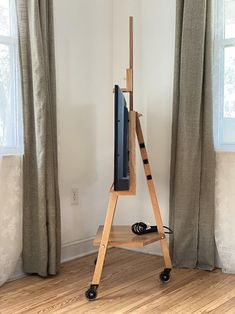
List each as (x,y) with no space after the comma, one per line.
(91,292)
(165,275)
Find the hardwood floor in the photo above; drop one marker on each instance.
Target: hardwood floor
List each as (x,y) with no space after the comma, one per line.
(129,284)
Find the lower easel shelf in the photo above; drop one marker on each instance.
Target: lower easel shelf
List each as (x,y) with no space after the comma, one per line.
(123,236)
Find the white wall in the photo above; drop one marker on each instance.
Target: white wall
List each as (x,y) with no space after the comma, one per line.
(158,60)
(224,211)
(91,55)
(83,35)
(10,215)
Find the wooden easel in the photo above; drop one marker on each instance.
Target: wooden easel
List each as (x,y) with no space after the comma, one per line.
(109,235)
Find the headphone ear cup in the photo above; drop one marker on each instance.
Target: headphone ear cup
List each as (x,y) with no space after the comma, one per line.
(133,228)
(142,227)
(136,228)
(139,228)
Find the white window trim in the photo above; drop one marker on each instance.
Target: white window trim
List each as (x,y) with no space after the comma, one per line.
(220,43)
(12,43)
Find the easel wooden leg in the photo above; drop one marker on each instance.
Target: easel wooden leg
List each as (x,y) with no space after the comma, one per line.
(152,192)
(91,292)
(105,238)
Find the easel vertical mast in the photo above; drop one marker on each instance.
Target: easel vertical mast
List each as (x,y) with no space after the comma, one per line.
(131,59)
(129,71)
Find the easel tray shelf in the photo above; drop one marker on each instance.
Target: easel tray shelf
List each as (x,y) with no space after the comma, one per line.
(121,235)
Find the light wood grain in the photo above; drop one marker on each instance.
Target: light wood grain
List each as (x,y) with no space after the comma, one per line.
(131,48)
(104,237)
(152,193)
(123,236)
(131,61)
(132,151)
(130,285)
(129,80)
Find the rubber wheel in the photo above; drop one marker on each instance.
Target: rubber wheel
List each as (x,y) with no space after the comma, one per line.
(164,276)
(91,293)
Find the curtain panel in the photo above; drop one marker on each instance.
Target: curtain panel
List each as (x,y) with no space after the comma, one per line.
(193,158)
(41,207)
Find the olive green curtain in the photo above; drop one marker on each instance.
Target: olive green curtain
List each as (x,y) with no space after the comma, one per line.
(193,158)
(41,207)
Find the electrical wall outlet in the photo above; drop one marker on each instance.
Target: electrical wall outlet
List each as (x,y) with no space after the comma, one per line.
(74,196)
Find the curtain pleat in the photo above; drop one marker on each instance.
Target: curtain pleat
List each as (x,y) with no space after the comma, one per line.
(193,159)
(41,206)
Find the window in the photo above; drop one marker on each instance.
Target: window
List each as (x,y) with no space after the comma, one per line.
(224,75)
(11,140)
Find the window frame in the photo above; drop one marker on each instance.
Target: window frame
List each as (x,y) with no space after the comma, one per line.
(11,41)
(220,44)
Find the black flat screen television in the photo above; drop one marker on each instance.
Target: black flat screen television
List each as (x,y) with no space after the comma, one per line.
(121,142)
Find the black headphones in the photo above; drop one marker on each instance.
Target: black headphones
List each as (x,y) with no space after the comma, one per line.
(143,228)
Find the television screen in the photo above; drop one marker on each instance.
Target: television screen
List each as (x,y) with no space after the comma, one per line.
(121,139)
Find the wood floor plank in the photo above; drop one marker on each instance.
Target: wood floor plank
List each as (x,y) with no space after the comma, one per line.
(130,284)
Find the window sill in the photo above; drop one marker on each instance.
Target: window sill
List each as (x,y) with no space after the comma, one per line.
(11,155)
(220,151)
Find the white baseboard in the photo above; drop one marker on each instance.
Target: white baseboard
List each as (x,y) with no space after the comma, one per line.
(75,249)
(18,273)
